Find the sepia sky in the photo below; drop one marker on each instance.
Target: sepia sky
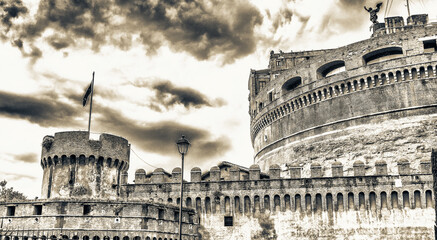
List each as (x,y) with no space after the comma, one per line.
(162,68)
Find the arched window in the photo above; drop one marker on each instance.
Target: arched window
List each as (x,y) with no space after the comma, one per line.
(237,204)
(372,202)
(340,202)
(350,201)
(417,201)
(318,203)
(297,203)
(188,202)
(329,204)
(361,201)
(308,205)
(256,204)
(247,204)
(428,197)
(291,84)
(277,203)
(383,54)
(394,200)
(287,202)
(207,205)
(406,199)
(383,200)
(331,68)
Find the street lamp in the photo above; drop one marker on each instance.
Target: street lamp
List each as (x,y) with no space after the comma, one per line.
(183,145)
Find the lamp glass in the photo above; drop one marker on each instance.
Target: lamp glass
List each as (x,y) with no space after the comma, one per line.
(183,145)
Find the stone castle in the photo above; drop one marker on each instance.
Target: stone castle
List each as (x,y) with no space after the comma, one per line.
(342,138)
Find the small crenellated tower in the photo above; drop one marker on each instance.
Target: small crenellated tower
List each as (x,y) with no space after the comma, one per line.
(76,166)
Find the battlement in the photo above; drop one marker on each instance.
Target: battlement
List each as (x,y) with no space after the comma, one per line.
(78,143)
(246,194)
(232,172)
(76,166)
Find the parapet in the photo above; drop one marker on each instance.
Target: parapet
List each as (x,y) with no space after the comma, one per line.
(79,143)
(295,172)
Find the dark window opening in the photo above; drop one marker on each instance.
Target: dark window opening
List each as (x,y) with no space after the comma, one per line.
(176,216)
(270,96)
(430,46)
(191,218)
(331,68)
(383,55)
(86,209)
(10,211)
(292,83)
(229,221)
(37,210)
(161,214)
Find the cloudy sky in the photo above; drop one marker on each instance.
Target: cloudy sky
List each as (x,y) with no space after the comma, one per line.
(162,68)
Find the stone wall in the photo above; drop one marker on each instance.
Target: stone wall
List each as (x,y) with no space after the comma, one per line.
(95,220)
(381,205)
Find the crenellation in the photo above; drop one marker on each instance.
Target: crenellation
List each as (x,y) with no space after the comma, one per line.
(337,169)
(176,174)
(404,166)
(254,172)
(316,170)
(196,174)
(359,168)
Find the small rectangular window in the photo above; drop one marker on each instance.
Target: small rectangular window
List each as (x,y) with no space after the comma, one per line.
(86,209)
(160,213)
(37,209)
(430,45)
(270,96)
(176,216)
(229,221)
(191,218)
(10,211)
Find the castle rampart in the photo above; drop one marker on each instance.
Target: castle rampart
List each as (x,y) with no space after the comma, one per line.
(317,200)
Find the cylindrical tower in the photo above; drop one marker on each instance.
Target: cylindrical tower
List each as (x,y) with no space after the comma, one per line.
(367,101)
(76,166)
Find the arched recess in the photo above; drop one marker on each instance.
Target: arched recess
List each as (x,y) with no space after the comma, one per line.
(383,54)
(331,68)
(291,84)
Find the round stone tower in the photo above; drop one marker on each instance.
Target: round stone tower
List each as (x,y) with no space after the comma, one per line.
(368,101)
(76,166)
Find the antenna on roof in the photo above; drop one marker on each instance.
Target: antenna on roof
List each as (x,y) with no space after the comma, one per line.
(408,8)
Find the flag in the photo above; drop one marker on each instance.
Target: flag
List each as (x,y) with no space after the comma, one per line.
(87,93)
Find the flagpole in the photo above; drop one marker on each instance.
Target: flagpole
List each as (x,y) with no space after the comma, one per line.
(91,104)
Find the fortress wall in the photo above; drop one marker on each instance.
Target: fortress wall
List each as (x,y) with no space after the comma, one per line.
(305,208)
(388,224)
(106,219)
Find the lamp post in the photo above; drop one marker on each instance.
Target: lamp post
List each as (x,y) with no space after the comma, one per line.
(183,145)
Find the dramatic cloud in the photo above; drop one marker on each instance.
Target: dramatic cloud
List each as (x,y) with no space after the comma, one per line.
(26,157)
(16,176)
(11,10)
(202,28)
(44,111)
(168,95)
(161,137)
(329,19)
